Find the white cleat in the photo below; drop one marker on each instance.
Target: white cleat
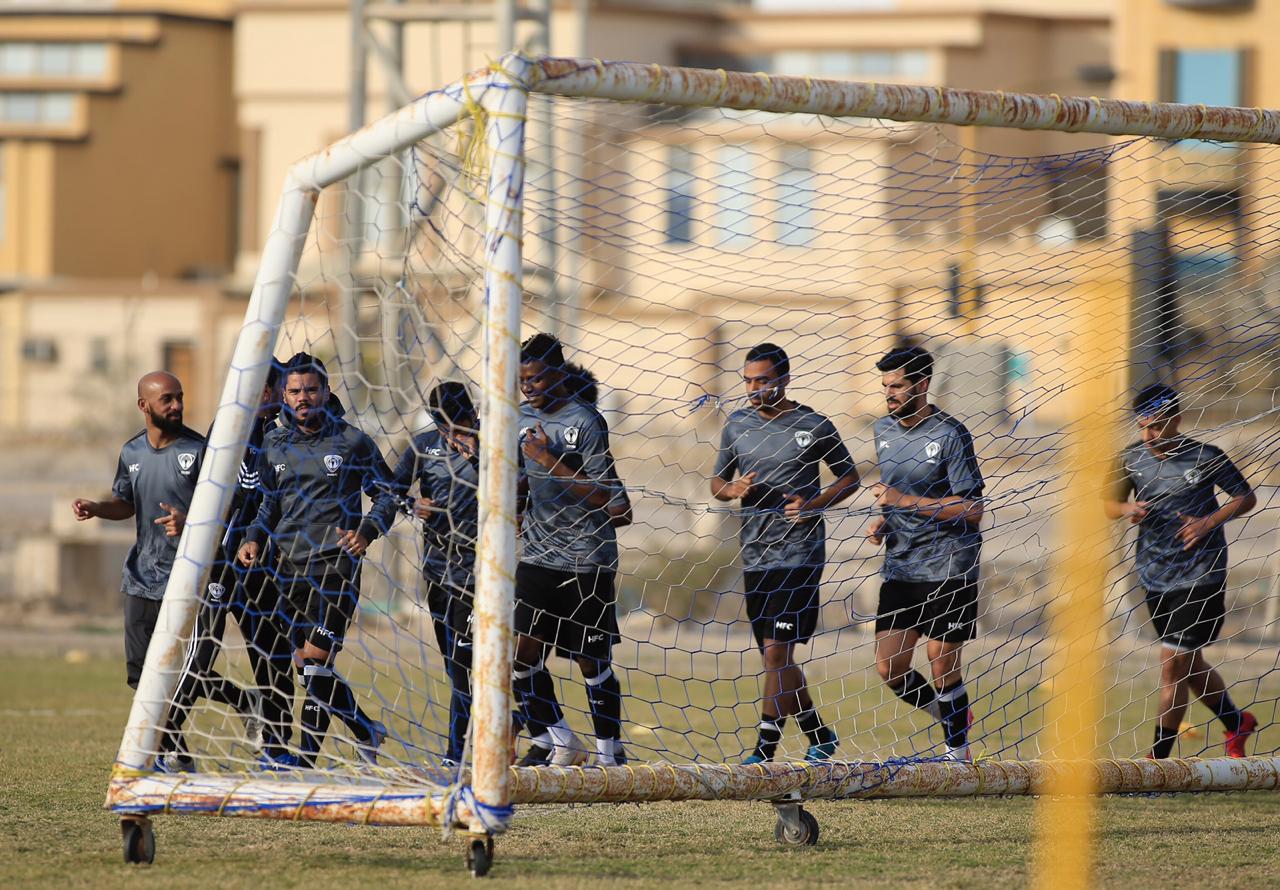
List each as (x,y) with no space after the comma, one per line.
(570,752)
(960,754)
(255,725)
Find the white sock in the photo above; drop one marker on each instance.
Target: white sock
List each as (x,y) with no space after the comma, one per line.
(543,741)
(607,751)
(561,734)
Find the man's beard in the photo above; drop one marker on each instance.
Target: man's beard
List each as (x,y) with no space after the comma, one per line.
(165,425)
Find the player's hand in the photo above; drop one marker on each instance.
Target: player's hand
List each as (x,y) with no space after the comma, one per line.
(172,521)
(84,509)
(1138,511)
(875,530)
(793,508)
(423,507)
(537,446)
(886,495)
(740,487)
(353,542)
(248,553)
(1194,530)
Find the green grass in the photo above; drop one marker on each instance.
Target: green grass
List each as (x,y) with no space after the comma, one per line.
(62,724)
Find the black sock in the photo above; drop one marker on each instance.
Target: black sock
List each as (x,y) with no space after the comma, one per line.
(915,690)
(315,718)
(770,735)
(953,708)
(536,692)
(604,695)
(1163,745)
(812,726)
(1228,713)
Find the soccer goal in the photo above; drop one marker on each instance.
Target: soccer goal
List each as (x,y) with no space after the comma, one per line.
(1054,256)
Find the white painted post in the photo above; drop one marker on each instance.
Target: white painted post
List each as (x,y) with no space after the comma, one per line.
(505,101)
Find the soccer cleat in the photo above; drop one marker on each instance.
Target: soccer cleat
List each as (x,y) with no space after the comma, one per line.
(537,755)
(753,758)
(255,725)
(271,763)
(570,753)
(960,753)
(822,750)
(1236,740)
(369,750)
(175,763)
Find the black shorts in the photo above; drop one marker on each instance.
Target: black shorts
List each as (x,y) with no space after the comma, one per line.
(940,610)
(450,609)
(140,616)
(1190,618)
(573,611)
(782,604)
(319,604)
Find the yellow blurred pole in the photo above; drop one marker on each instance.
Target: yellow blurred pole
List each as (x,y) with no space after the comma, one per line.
(1065,854)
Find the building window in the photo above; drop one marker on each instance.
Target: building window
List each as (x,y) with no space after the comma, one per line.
(1206,77)
(37,108)
(64,61)
(736,185)
(99,355)
(796,191)
(679,195)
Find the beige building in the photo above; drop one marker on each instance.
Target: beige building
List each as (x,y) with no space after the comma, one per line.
(118,192)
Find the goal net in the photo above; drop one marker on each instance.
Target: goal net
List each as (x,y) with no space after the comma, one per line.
(1051,272)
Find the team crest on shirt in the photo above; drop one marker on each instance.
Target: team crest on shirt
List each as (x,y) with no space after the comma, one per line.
(186,460)
(804,438)
(332,463)
(216,591)
(571,437)
(1192,476)
(932,450)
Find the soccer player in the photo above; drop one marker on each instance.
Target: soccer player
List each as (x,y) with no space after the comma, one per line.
(776,447)
(250,596)
(444,462)
(314,467)
(565,579)
(930,495)
(1182,557)
(155,478)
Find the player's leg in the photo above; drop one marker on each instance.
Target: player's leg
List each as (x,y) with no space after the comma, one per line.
(1175,668)
(535,625)
(459,641)
(793,603)
(140,616)
(1199,619)
(951,620)
(589,635)
(769,729)
(194,682)
(258,611)
(898,618)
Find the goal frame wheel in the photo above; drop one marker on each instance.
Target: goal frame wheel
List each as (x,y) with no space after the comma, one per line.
(480,856)
(796,826)
(138,838)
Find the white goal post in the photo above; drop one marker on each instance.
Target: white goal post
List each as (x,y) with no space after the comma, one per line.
(481,802)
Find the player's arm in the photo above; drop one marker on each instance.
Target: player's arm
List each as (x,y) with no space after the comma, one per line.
(723,486)
(1195,529)
(597,492)
(963,476)
(117,507)
(268,512)
(837,458)
(377,481)
(1116,503)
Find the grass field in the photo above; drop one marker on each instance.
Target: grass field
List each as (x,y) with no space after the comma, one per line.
(62,723)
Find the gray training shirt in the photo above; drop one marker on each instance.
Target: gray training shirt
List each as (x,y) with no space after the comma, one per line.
(561,530)
(1184,482)
(785,453)
(450,479)
(933,459)
(146,476)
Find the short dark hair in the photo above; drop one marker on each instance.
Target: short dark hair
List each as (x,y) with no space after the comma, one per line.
(543,348)
(581,383)
(450,403)
(772,353)
(273,374)
(915,362)
(1157,400)
(305,363)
